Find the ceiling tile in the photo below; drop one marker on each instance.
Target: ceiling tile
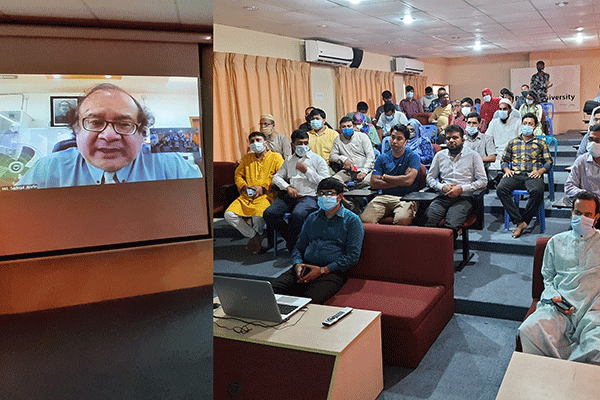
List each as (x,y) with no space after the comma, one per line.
(36,8)
(136,10)
(525,17)
(195,12)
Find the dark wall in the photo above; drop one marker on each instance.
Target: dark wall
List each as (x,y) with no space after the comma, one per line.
(156,346)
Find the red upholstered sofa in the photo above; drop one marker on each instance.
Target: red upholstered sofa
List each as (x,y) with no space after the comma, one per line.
(537,280)
(407,273)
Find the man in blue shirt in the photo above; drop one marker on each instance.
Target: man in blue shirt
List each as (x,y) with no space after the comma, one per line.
(109,127)
(395,173)
(329,245)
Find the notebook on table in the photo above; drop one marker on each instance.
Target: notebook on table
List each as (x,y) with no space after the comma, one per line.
(254,299)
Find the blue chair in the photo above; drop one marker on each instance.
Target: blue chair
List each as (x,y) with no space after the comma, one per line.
(275,235)
(549,111)
(551,140)
(430,132)
(385,144)
(541,215)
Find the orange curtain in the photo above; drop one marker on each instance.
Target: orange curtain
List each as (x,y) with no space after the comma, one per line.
(245,87)
(354,85)
(416,81)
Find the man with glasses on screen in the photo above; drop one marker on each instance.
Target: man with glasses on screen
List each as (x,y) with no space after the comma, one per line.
(109,127)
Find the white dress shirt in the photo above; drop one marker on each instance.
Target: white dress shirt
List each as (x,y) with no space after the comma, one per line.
(465,169)
(304,183)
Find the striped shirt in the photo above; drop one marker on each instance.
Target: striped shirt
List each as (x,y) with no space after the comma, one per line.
(522,156)
(585,175)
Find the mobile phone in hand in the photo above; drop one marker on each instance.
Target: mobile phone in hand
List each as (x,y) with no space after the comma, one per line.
(564,304)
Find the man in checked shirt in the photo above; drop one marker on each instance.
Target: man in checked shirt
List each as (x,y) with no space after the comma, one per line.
(524,162)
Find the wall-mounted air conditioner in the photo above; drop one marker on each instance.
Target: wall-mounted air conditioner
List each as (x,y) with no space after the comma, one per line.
(407,65)
(323,52)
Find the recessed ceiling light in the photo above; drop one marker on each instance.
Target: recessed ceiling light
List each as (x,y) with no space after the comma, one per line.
(562,3)
(577,28)
(322,26)
(389,42)
(477,46)
(354,1)
(408,19)
(455,37)
(579,38)
(250,8)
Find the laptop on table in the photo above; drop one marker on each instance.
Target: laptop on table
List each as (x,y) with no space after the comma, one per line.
(254,299)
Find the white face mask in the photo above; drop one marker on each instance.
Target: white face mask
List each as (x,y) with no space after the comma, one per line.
(301,150)
(529,102)
(472,130)
(594,149)
(582,225)
(257,147)
(487,98)
(503,114)
(466,111)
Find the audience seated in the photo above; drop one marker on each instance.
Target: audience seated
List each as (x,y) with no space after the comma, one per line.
(524,162)
(467,107)
(419,144)
(386,96)
(390,117)
(455,174)
(395,174)
(352,155)
(360,122)
(305,126)
(571,273)
(320,138)
(427,99)
(297,178)
(481,143)
(521,99)
(435,103)
(585,173)
(508,95)
(253,179)
(594,119)
(442,116)
(502,130)
(410,105)
(329,245)
(362,108)
(275,141)
(531,106)
(489,106)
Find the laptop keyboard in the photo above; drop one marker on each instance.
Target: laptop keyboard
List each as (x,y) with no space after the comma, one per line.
(285,309)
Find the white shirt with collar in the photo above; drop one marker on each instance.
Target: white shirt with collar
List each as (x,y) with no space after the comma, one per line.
(357,148)
(305,183)
(465,169)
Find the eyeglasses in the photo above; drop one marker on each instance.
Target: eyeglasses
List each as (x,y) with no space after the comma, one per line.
(593,139)
(99,125)
(327,193)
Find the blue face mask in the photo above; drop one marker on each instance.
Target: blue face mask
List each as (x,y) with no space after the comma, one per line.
(316,124)
(301,150)
(347,131)
(410,95)
(389,117)
(582,225)
(503,114)
(327,203)
(527,130)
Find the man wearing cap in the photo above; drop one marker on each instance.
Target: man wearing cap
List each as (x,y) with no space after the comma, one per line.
(489,105)
(502,130)
(275,141)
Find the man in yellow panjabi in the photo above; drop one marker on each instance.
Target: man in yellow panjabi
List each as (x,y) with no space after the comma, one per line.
(320,138)
(253,179)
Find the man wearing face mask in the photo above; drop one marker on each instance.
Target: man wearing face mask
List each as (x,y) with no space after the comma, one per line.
(253,178)
(540,82)
(297,178)
(427,99)
(386,96)
(502,130)
(594,119)
(329,245)
(524,162)
(275,141)
(320,138)
(305,126)
(410,105)
(455,173)
(489,106)
(395,173)
(441,116)
(571,272)
(480,143)
(521,99)
(390,117)
(467,107)
(585,173)
(352,151)
(508,95)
